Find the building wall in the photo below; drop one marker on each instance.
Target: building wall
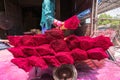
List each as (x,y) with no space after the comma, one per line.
(31,18)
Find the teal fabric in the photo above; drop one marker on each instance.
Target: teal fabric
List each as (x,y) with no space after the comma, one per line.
(48,11)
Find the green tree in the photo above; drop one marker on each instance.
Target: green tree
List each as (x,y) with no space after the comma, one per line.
(103,19)
(116,22)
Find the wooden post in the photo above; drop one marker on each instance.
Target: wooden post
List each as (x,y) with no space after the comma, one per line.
(91,18)
(94,16)
(57,13)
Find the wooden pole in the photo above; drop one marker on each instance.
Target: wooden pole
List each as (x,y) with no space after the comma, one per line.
(95,16)
(58,15)
(91,18)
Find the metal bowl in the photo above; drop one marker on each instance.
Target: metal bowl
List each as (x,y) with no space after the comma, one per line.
(65,72)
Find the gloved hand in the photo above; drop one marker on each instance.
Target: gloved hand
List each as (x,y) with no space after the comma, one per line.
(71,23)
(57,23)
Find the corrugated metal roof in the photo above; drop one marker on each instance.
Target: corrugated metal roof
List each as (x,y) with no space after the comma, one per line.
(107,5)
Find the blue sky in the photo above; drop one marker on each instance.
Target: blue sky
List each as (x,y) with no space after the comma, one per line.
(114,12)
